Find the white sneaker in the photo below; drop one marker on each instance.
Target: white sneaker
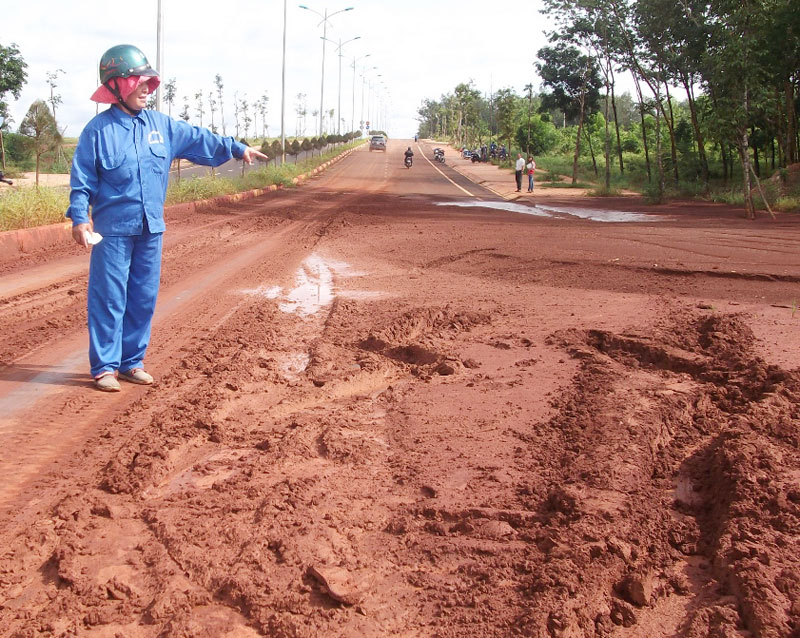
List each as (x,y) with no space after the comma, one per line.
(136,375)
(107,382)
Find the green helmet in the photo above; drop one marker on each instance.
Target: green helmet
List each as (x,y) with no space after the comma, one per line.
(122,61)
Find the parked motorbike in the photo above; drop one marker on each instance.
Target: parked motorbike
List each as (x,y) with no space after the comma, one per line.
(408,161)
(3,179)
(438,155)
(477,156)
(466,153)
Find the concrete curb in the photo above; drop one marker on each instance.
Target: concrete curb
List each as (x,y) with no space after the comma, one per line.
(16,242)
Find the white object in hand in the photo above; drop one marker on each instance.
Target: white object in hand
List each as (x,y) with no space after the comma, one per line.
(93,238)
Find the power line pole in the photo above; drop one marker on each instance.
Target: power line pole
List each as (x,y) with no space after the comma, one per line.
(159,52)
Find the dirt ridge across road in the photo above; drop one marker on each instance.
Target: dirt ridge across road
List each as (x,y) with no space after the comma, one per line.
(376,415)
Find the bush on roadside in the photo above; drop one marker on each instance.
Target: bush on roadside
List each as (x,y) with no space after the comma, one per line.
(602,191)
(18,151)
(788,204)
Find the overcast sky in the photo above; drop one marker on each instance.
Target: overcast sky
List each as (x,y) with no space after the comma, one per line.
(421,48)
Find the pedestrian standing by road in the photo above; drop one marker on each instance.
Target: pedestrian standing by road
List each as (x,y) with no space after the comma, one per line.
(120,170)
(520,166)
(530,167)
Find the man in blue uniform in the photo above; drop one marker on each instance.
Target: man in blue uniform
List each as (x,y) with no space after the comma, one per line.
(120,170)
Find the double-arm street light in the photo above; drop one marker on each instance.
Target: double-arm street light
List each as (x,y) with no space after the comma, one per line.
(324,22)
(373,83)
(364,72)
(353,111)
(339,107)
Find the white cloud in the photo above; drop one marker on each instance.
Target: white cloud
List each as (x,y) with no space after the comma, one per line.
(422,48)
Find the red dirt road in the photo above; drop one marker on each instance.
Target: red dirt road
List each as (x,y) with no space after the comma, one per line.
(379,416)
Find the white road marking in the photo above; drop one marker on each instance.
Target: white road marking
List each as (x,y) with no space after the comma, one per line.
(445,176)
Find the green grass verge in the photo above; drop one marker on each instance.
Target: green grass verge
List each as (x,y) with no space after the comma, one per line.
(198,188)
(788,204)
(30,206)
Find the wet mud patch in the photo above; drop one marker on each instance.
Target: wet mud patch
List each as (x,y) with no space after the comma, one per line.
(416,338)
(711,433)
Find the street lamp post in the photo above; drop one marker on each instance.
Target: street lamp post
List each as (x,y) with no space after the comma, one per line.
(159,52)
(363,86)
(325,17)
(370,100)
(339,107)
(283,91)
(353,110)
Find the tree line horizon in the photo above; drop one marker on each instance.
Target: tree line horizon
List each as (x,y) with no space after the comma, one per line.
(736,61)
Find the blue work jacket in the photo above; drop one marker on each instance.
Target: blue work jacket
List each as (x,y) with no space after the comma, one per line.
(121,167)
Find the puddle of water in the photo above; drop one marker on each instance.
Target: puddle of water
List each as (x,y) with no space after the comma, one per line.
(602,215)
(594,214)
(314,288)
(510,206)
(191,479)
(292,364)
(272,292)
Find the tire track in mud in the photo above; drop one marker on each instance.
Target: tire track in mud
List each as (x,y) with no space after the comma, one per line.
(50,376)
(713,405)
(189,374)
(202,441)
(39,306)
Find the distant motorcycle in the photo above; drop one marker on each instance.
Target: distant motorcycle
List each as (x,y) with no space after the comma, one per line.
(466,153)
(477,156)
(438,155)
(408,161)
(3,179)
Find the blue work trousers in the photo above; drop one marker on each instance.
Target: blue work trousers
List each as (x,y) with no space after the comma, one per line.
(124,274)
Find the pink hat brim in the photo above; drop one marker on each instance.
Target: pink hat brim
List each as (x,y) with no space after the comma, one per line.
(126,86)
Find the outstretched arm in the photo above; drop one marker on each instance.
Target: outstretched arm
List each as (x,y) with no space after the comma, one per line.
(250,154)
(201,146)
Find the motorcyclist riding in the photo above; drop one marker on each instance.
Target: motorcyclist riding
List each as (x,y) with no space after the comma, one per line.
(409,154)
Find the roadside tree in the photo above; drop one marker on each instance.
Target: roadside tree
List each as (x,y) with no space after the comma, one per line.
(220,86)
(537,136)
(277,149)
(198,109)
(40,128)
(55,98)
(507,103)
(169,95)
(212,107)
(574,87)
(12,78)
